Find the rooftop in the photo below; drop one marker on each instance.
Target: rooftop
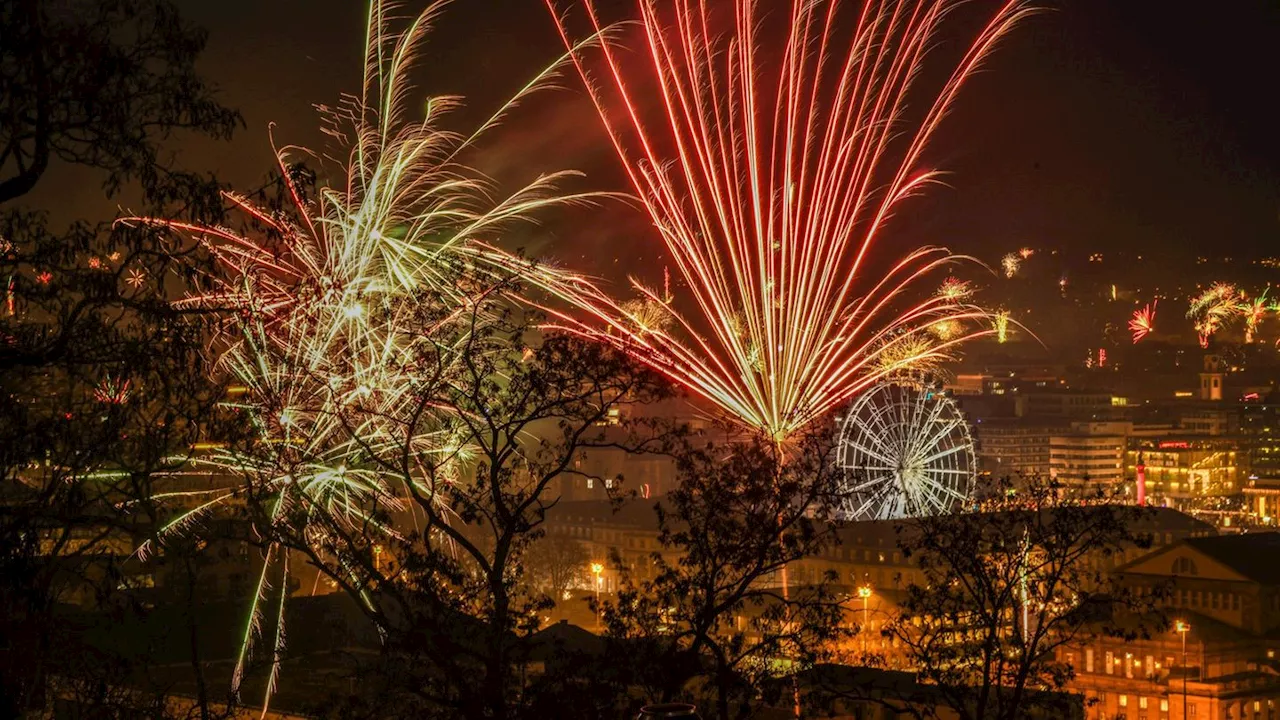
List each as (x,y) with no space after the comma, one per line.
(1253,555)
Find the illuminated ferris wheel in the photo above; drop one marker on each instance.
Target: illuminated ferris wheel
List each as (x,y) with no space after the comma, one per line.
(907,452)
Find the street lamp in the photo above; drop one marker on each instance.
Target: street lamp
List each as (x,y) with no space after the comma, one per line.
(864,592)
(1183,628)
(597,568)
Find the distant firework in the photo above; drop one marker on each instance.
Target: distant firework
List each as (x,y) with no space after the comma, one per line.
(1002,326)
(1213,307)
(1143,322)
(1026,252)
(1253,311)
(954,289)
(781,155)
(1010,264)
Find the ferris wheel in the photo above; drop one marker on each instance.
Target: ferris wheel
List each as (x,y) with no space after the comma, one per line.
(907,452)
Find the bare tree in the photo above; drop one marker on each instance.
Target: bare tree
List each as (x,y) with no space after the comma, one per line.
(554,564)
(450,590)
(720,619)
(1001,591)
(102,85)
(102,383)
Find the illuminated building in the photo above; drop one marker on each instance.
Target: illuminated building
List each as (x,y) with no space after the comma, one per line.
(1209,420)
(1260,423)
(1081,458)
(1067,403)
(1012,448)
(1224,593)
(1263,495)
(1185,466)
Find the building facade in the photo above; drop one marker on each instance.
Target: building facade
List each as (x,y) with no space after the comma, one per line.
(1218,659)
(1079,459)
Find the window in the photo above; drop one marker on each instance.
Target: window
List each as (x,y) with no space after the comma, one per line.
(1110,662)
(1142,703)
(1164,705)
(1124,701)
(591,483)
(1191,711)
(1088,660)
(1184,566)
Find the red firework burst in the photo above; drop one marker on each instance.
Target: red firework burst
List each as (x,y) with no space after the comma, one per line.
(771,173)
(1143,322)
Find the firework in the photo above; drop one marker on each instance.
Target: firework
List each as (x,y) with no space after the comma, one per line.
(1253,311)
(955,289)
(1010,264)
(113,390)
(332,307)
(1002,326)
(1026,252)
(1213,307)
(1143,322)
(770,176)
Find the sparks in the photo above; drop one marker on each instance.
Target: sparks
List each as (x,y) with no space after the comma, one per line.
(1213,307)
(1010,264)
(113,390)
(770,179)
(1253,311)
(324,310)
(1143,322)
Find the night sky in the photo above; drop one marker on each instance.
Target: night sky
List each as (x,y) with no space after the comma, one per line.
(1134,124)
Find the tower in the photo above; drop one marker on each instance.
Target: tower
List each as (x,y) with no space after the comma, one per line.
(1211,378)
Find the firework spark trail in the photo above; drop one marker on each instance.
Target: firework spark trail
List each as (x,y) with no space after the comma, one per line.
(1253,311)
(1213,307)
(769,186)
(326,315)
(1002,326)
(1010,264)
(1143,322)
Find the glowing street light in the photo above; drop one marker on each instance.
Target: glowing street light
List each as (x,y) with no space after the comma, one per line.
(1183,628)
(864,592)
(597,568)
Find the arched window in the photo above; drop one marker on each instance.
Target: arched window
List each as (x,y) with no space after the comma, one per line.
(1184,566)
